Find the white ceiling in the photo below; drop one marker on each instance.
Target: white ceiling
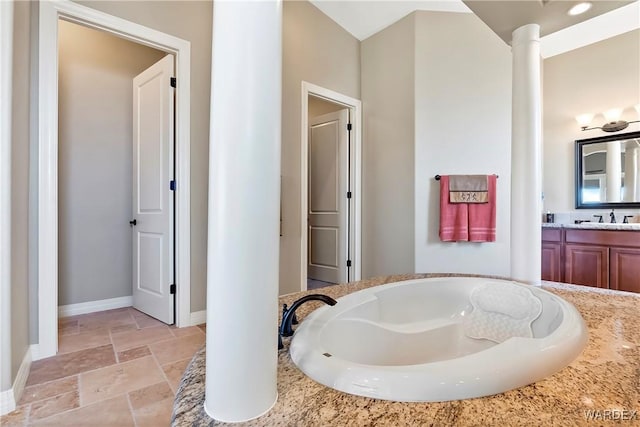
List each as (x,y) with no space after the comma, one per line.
(363,18)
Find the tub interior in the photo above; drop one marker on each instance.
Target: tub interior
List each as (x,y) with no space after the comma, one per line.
(385,347)
(416,324)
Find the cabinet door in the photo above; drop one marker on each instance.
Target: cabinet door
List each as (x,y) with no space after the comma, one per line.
(625,269)
(551,262)
(587,265)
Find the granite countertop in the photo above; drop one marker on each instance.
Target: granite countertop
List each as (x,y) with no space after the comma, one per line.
(606,376)
(596,226)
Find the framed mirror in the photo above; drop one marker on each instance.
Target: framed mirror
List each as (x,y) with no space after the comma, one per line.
(608,171)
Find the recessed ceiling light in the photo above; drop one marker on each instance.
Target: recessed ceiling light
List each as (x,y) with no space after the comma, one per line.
(580,8)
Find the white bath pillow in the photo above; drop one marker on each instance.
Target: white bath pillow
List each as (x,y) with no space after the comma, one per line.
(501,311)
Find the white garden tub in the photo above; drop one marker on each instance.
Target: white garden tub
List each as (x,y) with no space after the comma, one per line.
(412,340)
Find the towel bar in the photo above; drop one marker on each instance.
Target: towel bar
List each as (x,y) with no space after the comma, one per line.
(437,177)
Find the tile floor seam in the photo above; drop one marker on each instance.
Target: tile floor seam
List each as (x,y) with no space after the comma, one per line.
(113,346)
(79,394)
(126,392)
(27,416)
(172,337)
(57,413)
(164,374)
(133,414)
(39,385)
(83,372)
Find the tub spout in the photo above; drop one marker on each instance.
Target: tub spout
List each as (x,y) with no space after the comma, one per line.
(286,330)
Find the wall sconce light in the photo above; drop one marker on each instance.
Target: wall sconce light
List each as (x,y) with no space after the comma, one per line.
(614,124)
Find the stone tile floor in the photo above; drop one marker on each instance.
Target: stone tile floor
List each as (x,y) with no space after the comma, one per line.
(113,368)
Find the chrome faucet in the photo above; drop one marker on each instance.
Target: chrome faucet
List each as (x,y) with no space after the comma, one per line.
(288,315)
(613,217)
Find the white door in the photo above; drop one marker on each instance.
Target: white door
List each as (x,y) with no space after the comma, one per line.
(152,222)
(328,186)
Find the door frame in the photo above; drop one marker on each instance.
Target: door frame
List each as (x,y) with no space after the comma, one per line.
(355,107)
(49,14)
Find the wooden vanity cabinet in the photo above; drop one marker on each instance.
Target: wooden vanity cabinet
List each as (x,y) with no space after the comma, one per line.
(552,268)
(601,258)
(624,268)
(587,265)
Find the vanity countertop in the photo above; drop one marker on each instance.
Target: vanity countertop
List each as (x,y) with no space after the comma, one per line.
(595,226)
(606,376)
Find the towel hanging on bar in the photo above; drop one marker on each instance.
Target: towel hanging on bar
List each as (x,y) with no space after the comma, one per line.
(468,189)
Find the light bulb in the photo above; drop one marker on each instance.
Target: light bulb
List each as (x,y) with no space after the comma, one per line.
(584,120)
(579,8)
(613,115)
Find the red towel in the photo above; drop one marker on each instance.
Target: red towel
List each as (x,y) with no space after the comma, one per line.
(482,216)
(454,217)
(462,222)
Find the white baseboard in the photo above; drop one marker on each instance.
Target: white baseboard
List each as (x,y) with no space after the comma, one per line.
(7,402)
(35,352)
(8,398)
(198,317)
(22,375)
(93,306)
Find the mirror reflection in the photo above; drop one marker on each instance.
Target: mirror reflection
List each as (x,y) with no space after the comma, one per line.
(608,171)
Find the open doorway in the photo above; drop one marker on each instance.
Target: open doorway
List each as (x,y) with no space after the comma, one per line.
(328,187)
(330,211)
(50,17)
(115,161)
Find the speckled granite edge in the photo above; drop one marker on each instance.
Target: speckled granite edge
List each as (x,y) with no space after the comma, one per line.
(605,376)
(595,226)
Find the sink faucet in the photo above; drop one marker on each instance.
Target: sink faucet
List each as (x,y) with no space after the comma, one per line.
(625,220)
(599,218)
(613,217)
(286,329)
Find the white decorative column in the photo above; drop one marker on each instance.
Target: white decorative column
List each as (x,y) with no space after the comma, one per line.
(526,156)
(631,176)
(244,203)
(614,171)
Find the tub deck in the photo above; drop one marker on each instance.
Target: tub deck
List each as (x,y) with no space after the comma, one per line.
(606,376)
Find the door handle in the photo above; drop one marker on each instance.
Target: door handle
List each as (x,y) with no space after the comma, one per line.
(133,222)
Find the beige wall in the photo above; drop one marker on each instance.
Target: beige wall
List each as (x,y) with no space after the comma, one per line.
(591,79)
(95,129)
(463,126)
(189,20)
(316,50)
(388,150)
(20,188)
(318,107)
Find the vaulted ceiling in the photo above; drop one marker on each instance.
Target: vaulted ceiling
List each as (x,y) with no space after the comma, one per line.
(363,18)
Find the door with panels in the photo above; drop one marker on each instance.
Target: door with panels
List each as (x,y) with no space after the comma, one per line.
(153,195)
(328,204)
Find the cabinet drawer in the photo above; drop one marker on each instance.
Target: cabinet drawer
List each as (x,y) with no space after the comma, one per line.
(603,237)
(552,235)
